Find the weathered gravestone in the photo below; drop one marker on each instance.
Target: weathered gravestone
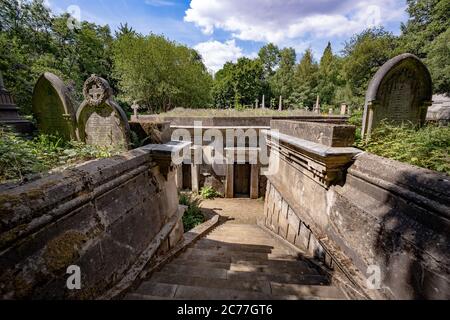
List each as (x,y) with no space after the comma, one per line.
(53,107)
(400,91)
(101,121)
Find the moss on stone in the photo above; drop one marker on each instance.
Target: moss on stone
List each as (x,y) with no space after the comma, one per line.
(11,235)
(63,250)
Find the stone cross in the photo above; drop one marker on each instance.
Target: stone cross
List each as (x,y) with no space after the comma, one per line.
(135,108)
(257,103)
(344,109)
(95,92)
(317,107)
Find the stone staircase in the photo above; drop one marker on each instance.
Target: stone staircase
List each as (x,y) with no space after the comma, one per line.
(237,262)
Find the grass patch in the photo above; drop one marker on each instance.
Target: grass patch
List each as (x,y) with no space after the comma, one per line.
(193,215)
(208,193)
(20,157)
(427,147)
(244,112)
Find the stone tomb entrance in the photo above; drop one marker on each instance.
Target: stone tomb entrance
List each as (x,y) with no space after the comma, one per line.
(187,177)
(242,180)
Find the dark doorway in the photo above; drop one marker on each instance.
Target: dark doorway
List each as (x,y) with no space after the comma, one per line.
(242,180)
(187,180)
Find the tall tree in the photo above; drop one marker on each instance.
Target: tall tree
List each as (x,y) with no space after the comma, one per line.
(159,73)
(425,34)
(328,76)
(305,81)
(364,54)
(283,79)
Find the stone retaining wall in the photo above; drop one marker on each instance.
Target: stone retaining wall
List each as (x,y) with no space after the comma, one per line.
(258,121)
(378,213)
(99,216)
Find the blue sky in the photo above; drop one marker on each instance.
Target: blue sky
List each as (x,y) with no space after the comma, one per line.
(224,30)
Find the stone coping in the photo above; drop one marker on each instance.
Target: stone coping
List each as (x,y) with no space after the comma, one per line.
(312,147)
(329,134)
(220,127)
(167,148)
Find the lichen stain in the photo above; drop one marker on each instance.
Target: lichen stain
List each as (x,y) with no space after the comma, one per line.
(63,250)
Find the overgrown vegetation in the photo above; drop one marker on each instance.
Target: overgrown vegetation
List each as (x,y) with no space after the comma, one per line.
(208,193)
(20,157)
(427,147)
(193,215)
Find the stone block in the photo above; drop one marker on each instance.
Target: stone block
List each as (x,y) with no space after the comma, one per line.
(331,135)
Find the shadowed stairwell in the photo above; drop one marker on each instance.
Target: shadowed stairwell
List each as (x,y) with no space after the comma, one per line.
(238,262)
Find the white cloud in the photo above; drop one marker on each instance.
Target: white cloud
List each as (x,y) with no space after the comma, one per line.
(159,3)
(279,21)
(215,54)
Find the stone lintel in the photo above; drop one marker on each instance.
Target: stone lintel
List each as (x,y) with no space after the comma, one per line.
(168,155)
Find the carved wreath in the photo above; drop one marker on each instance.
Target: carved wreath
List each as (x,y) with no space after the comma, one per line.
(95,91)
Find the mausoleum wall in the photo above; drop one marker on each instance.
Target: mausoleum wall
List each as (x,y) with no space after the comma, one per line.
(100,216)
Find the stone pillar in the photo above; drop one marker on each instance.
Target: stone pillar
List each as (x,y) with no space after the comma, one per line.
(195,175)
(264,102)
(179,177)
(229,181)
(254,182)
(280,105)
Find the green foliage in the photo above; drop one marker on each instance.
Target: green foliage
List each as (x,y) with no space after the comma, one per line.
(159,73)
(305,81)
(364,54)
(209,193)
(427,147)
(20,157)
(239,83)
(282,81)
(33,41)
(426,34)
(193,215)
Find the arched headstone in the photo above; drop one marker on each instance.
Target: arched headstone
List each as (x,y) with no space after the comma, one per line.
(53,107)
(400,91)
(101,121)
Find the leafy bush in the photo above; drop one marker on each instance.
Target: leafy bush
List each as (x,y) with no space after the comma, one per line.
(427,147)
(20,157)
(209,193)
(193,215)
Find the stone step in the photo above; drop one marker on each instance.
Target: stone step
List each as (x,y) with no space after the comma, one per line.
(322,292)
(205,253)
(243,240)
(202,293)
(138,296)
(209,244)
(236,258)
(270,266)
(216,273)
(199,281)
(219,249)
